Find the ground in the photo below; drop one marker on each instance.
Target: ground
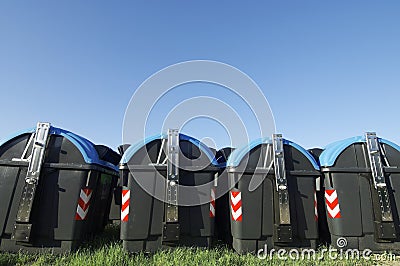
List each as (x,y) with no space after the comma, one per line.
(106,249)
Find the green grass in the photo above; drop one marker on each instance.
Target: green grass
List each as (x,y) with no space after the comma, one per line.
(107,250)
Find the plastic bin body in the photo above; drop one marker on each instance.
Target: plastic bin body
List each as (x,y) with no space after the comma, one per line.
(349,187)
(71,169)
(142,228)
(258,225)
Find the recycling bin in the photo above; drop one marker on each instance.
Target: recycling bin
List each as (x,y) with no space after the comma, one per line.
(362,193)
(167,188)
(55,190)
(273,202)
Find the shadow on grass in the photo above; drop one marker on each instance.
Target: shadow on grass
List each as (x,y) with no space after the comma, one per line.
(110,236)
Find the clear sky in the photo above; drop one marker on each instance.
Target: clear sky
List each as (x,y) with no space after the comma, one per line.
(329,69)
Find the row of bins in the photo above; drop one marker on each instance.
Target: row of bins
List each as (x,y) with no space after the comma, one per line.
(346,195)
(280,209)
(58,189)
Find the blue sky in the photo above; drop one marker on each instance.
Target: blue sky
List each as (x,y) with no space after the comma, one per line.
(329,69)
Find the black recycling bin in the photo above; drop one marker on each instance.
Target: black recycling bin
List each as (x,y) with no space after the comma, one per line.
(273,202)
(154,212)
(362,193)
(55,190)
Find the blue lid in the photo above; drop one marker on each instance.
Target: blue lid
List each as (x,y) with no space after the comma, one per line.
(131,151)
(332,151)
(86,147)
(237,155)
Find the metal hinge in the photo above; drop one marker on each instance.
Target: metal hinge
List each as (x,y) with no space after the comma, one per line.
(378,175)
(171,226)
(384,228)
(22,232)
(280,179)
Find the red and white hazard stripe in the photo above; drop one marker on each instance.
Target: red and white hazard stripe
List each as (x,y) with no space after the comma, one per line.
(315,206)
(126,195)
(212,203)
(236,205)
(83,204)
(332,203)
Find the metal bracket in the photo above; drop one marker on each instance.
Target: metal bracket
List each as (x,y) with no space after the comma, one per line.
(21,232)
(280,179)
(378,176)
(283,233)
(171,213)
(31,181)
(171,231)
(23,159)
(385,231)
(160,152)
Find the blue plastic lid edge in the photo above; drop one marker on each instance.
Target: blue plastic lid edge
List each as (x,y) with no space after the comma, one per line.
(332,151)
(85,147)
(304,152)
(237,155)
(392,144)
(138,145)
(16,134)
